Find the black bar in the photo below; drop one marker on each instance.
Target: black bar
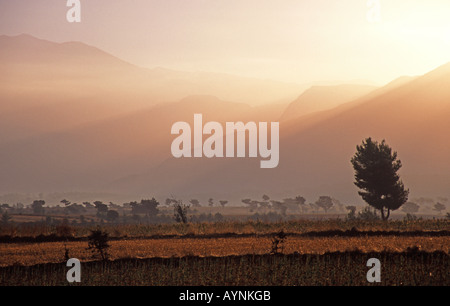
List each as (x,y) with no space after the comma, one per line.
(241,295)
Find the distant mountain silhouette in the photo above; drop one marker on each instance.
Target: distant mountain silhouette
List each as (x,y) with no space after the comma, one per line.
(319,98)
(48,87)
(25,58)
(73,117)
(410,113)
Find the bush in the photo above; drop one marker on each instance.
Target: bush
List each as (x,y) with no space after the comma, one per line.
(278,243)
(368,215)
(98,243)
(352,212)
(180,211)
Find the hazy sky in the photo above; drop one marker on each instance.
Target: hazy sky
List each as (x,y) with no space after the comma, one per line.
(289,40)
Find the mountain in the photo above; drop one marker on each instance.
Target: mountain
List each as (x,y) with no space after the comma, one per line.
(319,98)
(30,62)
(74,118)
(315,150)
(90,155)
(48,87)
(72,115)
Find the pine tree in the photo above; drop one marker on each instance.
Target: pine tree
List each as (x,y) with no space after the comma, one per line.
(376,168)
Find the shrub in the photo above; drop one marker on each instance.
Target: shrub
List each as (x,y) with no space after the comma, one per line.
(368,215)
(98,243)
(278,243)
(180,211)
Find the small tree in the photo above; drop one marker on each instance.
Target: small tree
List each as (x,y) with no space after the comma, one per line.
(65,202)
(5,218)
(439,207)
(112,215)
(278,243)
(37,207)
(148,207)
(211,202)
(102,209)
(88,205)
(223,203)
(368,215)
(252,204)
(170,201)
(376,175)
(324,202)
(180,211)
(301,203)
(98,243)
(195,203)
(352,212)
(265,203)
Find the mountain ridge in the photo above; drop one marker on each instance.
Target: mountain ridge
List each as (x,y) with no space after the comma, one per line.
(112,133)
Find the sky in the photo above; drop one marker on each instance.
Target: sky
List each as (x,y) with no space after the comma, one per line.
(291,40)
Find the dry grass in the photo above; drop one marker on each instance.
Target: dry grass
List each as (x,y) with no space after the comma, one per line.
(237,227)
(35,253)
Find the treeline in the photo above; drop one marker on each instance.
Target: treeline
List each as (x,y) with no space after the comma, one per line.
(151,211)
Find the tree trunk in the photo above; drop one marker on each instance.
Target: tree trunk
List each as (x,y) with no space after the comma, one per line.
(383,216)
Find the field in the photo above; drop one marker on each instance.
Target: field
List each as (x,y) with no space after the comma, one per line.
(343,269)
(326,252)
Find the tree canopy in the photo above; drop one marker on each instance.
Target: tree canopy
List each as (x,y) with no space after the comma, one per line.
(376,167)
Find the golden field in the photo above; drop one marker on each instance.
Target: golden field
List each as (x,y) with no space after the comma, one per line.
(46,252)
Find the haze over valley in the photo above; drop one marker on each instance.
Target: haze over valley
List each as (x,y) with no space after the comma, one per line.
(75,118)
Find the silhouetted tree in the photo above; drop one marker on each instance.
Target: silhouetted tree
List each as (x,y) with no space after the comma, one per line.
(211,202)
(290,204)
(246,201)
(300,200)
(113,205)
(195,203)
(6,206)
(324,202)
(98,242)
(37,207)
(148,207)
(180,211)
(223,203)
(265,203)
(5,218)
(88,205)
(75,208)
(439,207)
(102,209)
(65,202)
(278,243)
(367,214)
(376,175)
(352,212)
(252,204)
(112,215)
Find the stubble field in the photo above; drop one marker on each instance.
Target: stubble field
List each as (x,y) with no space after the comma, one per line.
(313,253)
